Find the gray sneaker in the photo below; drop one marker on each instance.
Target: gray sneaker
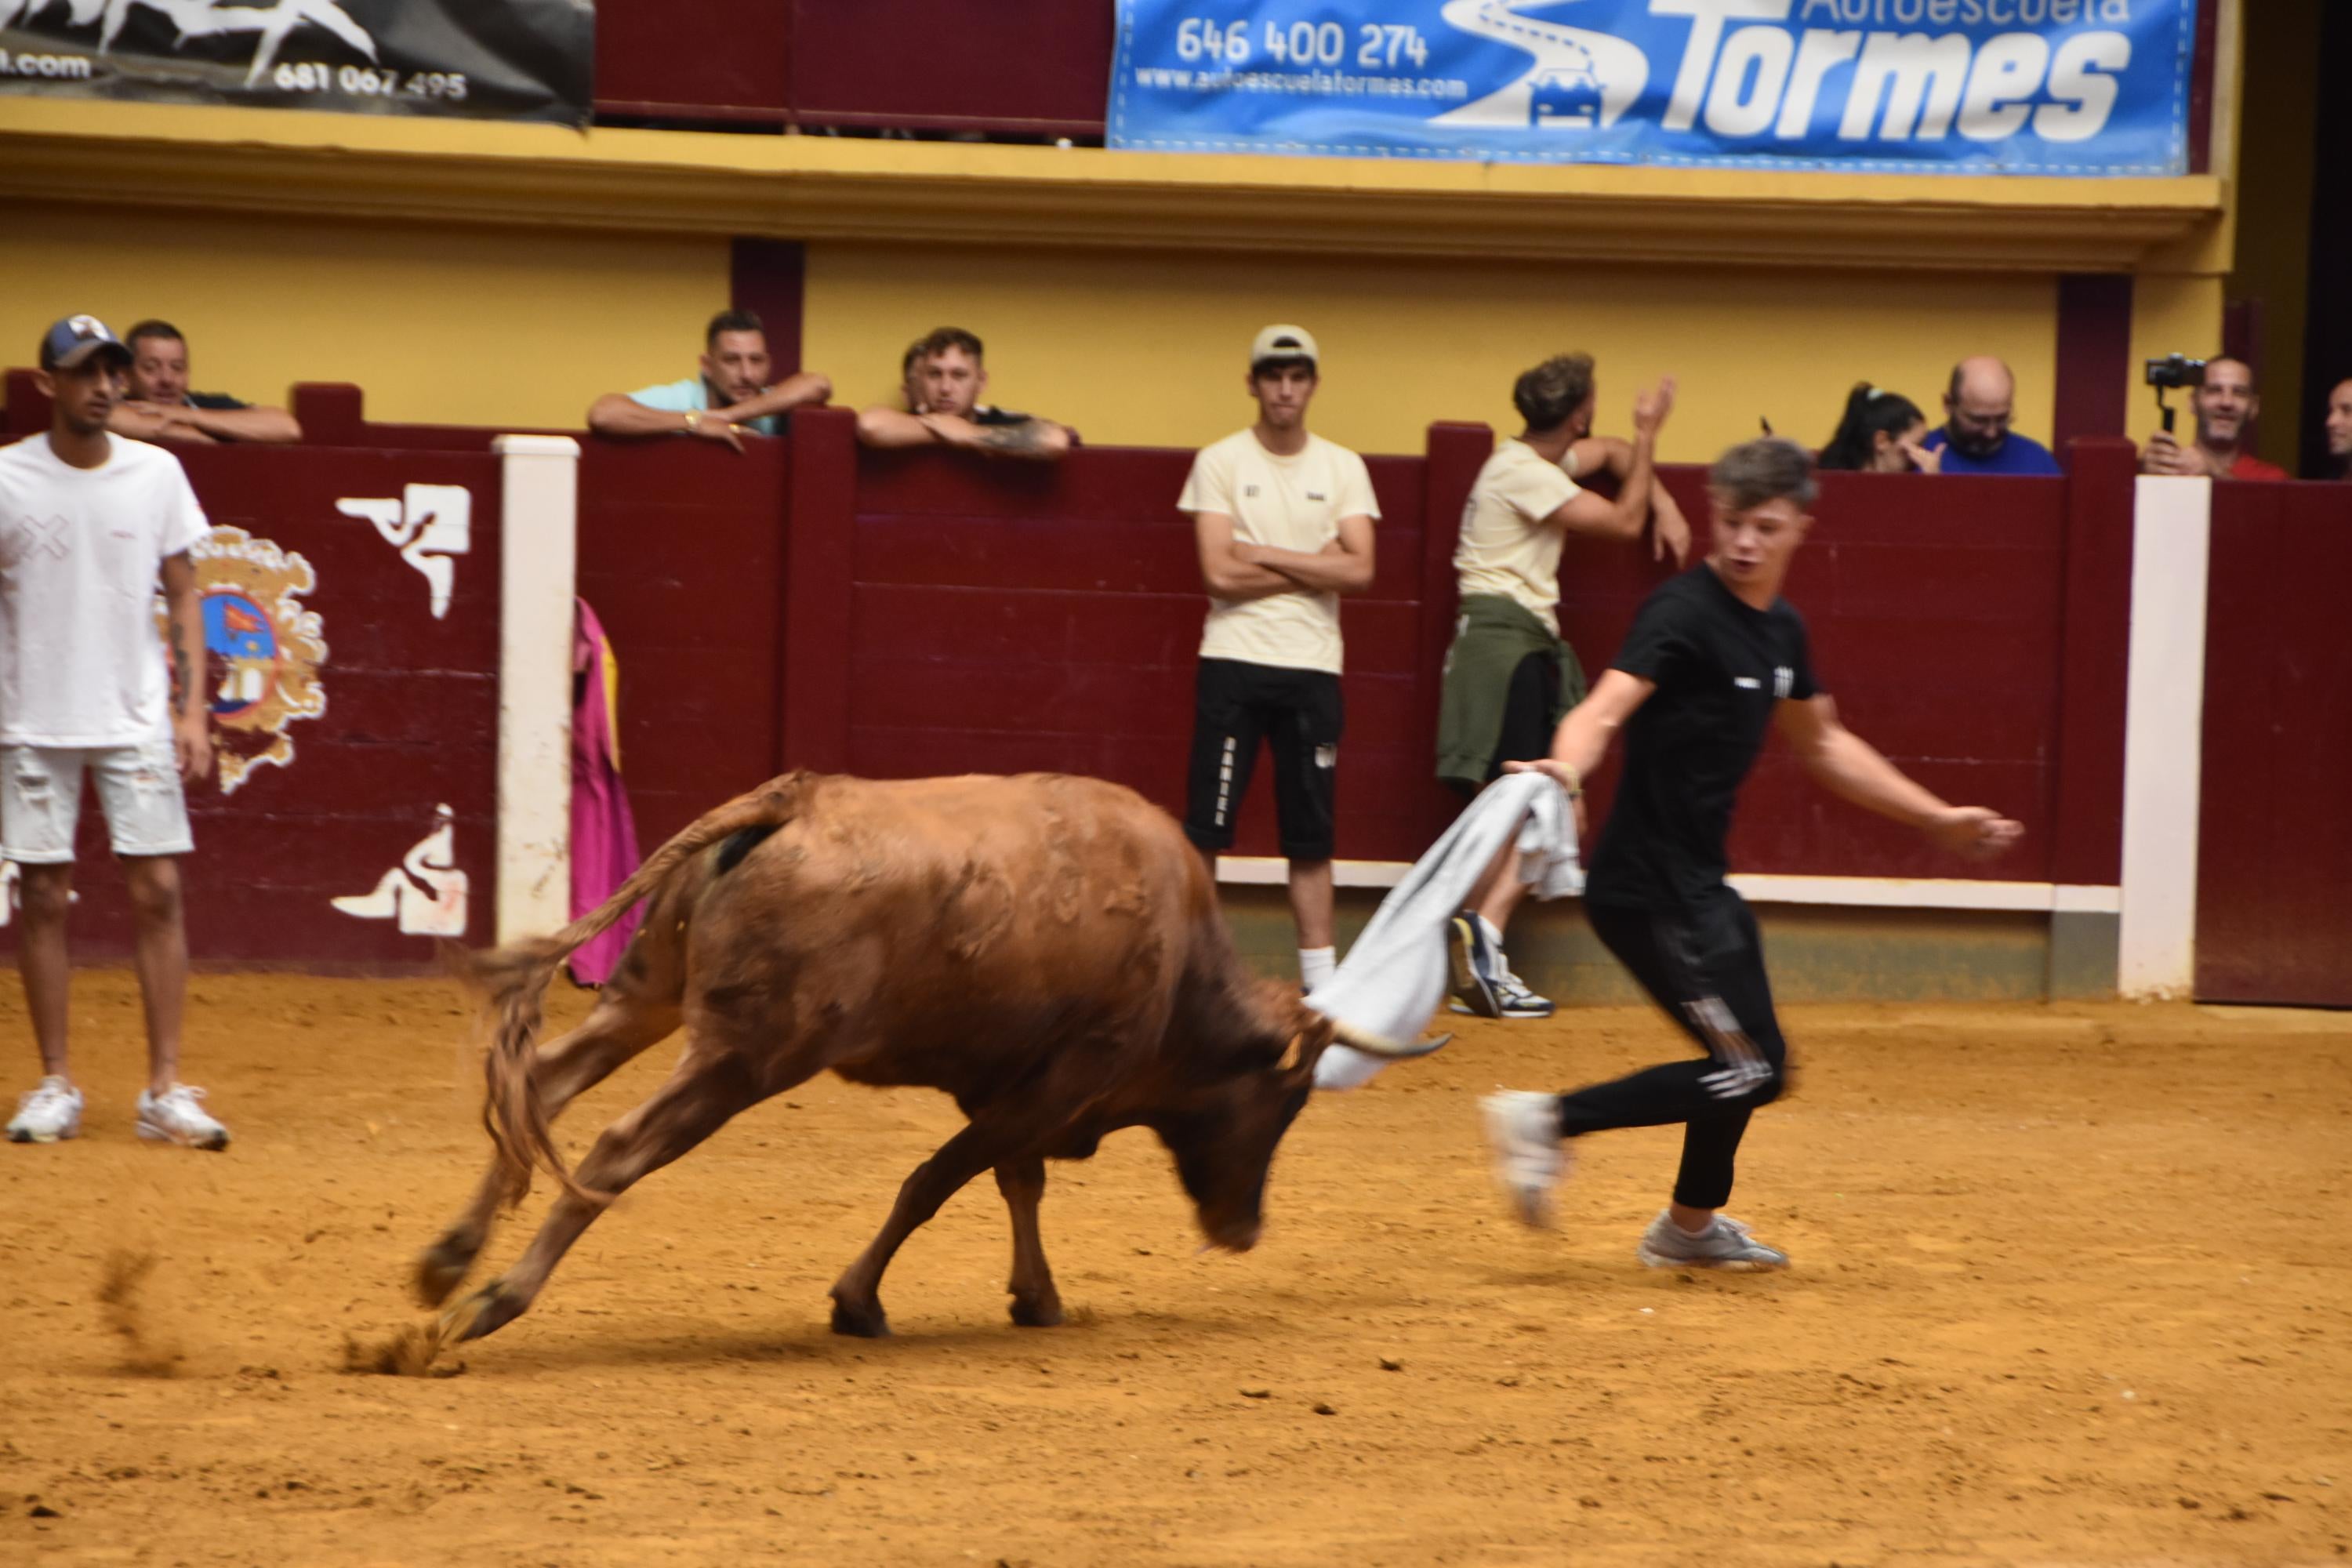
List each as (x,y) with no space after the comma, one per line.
(1724,1245)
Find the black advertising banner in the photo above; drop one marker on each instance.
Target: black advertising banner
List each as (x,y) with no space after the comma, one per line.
(484,59)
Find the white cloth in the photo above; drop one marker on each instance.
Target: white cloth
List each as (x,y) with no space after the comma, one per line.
(1296,502)
(1396,974)
(82,664)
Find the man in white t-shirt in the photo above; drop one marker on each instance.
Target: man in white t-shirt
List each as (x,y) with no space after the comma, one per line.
(1282,521)
(86,519)
(1510,676)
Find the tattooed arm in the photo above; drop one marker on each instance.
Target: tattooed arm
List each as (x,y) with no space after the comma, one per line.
(191,714)
(1041,440)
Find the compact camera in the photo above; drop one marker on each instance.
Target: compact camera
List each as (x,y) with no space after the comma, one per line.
(2171,371)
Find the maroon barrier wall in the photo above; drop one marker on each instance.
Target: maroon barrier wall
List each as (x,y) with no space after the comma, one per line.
(1006,619)
(681,555)
(2274,841)
(1041,69)
(944,614)
(408,723)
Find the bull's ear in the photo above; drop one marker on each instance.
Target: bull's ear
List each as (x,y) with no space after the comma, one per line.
(1310,1037)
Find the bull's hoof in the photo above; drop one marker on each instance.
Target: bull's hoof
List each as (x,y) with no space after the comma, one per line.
(485,1312)
(1037,1311)
(864,1321)
(442,1267)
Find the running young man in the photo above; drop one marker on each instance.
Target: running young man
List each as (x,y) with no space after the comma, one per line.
(87,519)
(1715,656)
(1283,522)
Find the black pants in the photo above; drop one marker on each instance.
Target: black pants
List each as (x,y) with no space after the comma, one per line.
(1705,967)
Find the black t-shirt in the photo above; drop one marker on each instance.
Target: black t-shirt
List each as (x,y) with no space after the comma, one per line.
(215,400)
(988,414)
(1721,667)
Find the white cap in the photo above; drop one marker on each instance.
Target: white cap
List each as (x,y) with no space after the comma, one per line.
(1279,341)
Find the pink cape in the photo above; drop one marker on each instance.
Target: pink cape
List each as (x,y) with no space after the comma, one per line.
(604,835)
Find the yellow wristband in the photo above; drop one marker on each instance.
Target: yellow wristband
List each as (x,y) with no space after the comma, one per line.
(693,420)
(1575,779)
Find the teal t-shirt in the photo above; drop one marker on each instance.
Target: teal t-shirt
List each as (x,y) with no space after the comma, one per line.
(692,396)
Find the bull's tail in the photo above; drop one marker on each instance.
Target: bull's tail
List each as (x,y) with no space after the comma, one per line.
(512,981)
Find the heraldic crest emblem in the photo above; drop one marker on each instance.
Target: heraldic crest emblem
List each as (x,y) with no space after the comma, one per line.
(263,650)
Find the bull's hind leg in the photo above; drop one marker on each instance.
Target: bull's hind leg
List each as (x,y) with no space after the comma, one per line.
(619,1029)
(1036,1303)
(857,1294)
(699,1098)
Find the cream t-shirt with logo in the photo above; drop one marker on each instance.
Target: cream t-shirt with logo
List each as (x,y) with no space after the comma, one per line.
(1507,548)
(1288,503)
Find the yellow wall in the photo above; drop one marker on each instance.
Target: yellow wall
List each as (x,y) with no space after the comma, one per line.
(1137,348)
(464,326)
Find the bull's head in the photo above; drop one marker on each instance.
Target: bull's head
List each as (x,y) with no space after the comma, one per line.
(1224,1132)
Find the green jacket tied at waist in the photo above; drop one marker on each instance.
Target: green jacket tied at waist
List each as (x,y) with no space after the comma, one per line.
(1491,634)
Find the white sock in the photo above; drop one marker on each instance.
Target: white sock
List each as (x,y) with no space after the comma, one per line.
(1493,935)
(1316,964)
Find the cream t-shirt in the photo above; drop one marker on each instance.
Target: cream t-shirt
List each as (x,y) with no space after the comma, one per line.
(1507,548)
(1288,503)
(80,664)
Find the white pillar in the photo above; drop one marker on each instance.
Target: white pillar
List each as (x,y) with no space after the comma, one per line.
(2164,724)
(537,521)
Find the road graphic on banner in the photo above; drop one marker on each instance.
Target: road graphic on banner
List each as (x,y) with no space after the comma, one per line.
(1579,77)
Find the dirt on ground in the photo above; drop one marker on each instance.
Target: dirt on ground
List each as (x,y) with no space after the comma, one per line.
(2072,1286)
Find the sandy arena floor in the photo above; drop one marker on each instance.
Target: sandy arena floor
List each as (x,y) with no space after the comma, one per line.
(2073,1286)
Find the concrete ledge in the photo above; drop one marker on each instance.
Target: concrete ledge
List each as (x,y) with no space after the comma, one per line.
(1817,954)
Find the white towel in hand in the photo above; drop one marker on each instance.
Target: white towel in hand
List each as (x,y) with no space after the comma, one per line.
(1396,974)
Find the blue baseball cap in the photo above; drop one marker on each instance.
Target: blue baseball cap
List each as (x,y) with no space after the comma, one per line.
(75,338)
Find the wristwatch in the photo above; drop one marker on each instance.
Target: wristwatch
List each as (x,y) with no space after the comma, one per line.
(693,420)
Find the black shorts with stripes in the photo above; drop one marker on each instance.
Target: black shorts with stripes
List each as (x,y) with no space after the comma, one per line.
(1299,714)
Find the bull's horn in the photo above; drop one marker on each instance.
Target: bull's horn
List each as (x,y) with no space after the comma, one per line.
(1373,1045)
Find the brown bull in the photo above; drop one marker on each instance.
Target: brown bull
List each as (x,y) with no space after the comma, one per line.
(1047,949)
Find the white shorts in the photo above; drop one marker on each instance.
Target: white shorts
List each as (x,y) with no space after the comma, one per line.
(138,788)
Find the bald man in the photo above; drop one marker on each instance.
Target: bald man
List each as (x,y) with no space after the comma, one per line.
(2225,404)
(1976,437)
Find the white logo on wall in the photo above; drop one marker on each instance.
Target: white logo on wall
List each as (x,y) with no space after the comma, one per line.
(424,895)
(208,19)
(428,525)
(1581,79)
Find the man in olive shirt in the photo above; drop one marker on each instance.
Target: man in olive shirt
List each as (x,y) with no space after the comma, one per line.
(1509,678)
(1283,522)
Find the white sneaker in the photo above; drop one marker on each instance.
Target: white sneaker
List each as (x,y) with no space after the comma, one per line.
(1523,1130)
(175,1117)
(48,1113)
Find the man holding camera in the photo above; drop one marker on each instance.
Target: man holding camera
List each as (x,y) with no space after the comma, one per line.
(2225,404)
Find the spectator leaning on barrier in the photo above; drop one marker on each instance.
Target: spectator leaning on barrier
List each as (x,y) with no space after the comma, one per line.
(1881,434)
(731,396)
(1509,678)
(944,377)
(160,408)
(2225,404)
(1976,437)
(1283,522)
(2340,428)
(87,521)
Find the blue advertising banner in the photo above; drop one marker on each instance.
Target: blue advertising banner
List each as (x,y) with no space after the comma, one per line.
(2009,87)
